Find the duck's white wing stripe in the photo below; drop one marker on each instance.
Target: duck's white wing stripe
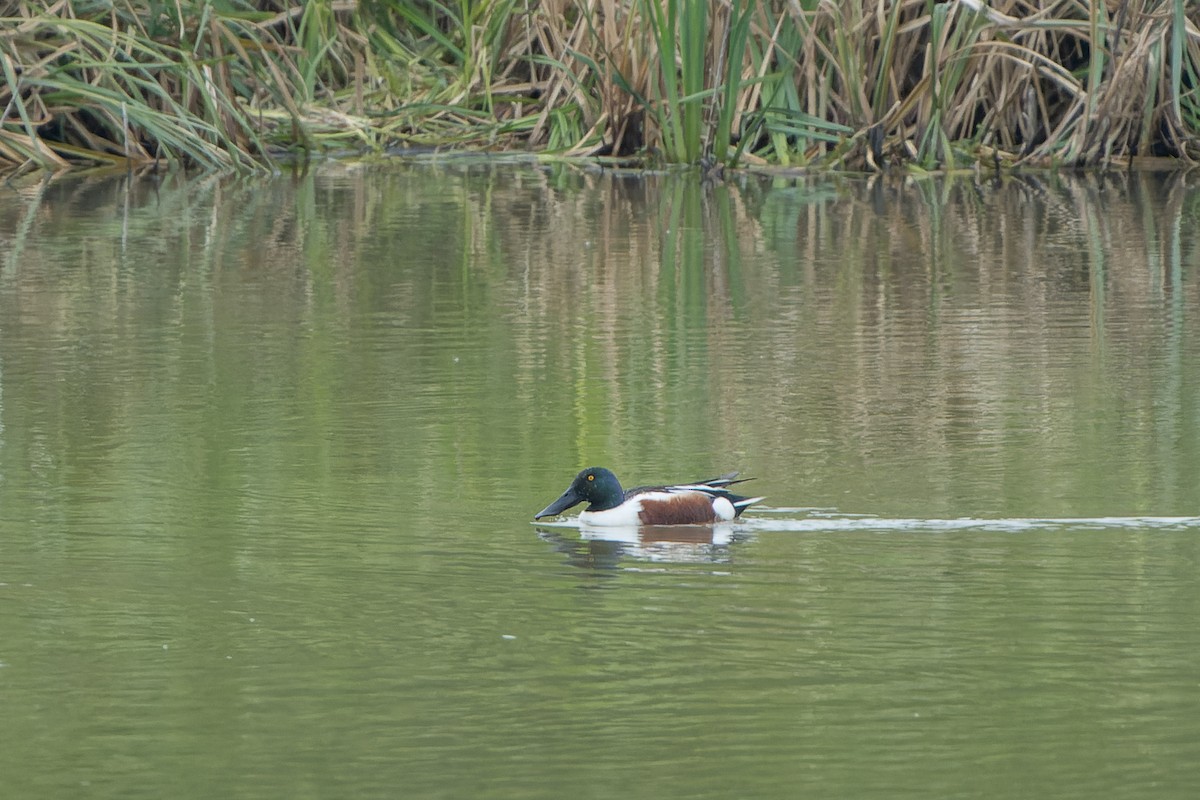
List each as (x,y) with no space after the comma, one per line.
(697,487)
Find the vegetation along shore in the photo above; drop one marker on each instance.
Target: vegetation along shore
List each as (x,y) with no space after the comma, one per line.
(226,84)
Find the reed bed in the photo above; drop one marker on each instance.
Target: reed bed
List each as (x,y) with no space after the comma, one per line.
(858,85)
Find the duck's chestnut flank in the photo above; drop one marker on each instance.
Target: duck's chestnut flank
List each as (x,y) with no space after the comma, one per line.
(681,509)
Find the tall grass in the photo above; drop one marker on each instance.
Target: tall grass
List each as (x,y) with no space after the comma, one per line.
(862,85)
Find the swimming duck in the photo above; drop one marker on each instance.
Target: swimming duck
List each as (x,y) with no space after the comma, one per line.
(684,504)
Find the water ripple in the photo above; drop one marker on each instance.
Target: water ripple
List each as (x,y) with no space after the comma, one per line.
(1016,524)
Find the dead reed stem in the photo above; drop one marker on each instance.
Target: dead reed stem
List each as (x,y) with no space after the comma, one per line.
(860,85)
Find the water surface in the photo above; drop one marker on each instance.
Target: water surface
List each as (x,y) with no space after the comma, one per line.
(270,448)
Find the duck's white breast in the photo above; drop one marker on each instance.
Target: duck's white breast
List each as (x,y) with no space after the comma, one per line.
(624,514)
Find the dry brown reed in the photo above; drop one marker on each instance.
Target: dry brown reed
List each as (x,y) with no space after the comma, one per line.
(861,85)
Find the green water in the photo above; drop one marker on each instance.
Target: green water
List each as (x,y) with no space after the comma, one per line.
(270,449)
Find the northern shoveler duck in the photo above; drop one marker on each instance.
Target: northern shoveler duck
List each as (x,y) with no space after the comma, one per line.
(686,504)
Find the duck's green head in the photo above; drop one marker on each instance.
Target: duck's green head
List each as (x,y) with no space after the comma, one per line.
(596,486)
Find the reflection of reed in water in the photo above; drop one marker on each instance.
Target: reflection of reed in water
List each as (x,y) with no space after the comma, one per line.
(924,343)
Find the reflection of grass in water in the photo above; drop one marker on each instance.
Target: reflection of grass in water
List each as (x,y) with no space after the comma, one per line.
(942,322)
(686,81)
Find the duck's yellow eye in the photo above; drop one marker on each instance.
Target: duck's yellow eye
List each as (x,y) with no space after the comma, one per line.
(591,477)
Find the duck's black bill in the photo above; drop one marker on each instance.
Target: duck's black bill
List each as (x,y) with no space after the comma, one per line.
(568,499)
